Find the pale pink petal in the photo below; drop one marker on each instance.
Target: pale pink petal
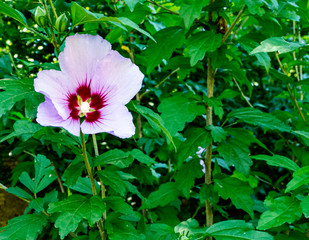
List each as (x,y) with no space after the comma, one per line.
(117,78)
(48,116)
(57,87)
(81,54)
(115,119)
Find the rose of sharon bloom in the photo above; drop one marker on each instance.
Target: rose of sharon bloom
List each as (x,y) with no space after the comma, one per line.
(91,90)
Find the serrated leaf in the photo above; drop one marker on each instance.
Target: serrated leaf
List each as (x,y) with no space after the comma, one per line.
(36,204)
(19,192)
(23,128)
(119,205)
(81,15)
(238,191)
(274,44)
(154,120)
(200,43)
(196,137)
(13,13)
(114,157)
(278,161)
(190,10)
(282,210)
(166,193)
(186,175)
(177,110)
(25,227)
(74,209)
(15,90)
(218,134)
(164,47)
(236,229)
(236,154)
(256,117)
(111,178)
(300,178)
(142,157)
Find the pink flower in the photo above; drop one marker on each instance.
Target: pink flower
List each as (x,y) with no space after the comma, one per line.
(91,90)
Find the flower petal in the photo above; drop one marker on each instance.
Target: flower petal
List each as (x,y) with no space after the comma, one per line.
(117,79)
(114,119)
(48,116)
(81,54)
(57,87)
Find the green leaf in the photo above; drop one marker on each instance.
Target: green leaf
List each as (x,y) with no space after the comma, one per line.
(200,43)
(74,209)
(254,6)
(218,134)
(178,110)
(236,153)
(190,10)
(185,177)
(15,90)
(74,171)
(300,178)
(274,44)
(44,173)
(142,157)
(19,192)
(236,229)
(81,15)
(278,161)
(157,231)
(304,204)
(114,157)
(196,137)
(131,4)
(111,178)
(83,185)
(13,13)
(166,193)
(164,47)
(119,205)
(256,117)
(238,191)
(24,227)
(282,210)
(154,120)
(23,128)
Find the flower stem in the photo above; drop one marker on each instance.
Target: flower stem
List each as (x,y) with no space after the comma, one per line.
(96,152)
(101,223)
(94,191)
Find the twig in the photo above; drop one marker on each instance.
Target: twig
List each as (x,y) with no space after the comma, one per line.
(241,92)
(240,27)
(58,178)
(165,8)
(229,31)
(160,83)
(290,90)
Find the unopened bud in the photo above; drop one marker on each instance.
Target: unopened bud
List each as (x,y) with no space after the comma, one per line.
(62,23)
(40,17)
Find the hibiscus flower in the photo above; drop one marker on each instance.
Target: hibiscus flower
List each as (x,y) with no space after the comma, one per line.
(90,92)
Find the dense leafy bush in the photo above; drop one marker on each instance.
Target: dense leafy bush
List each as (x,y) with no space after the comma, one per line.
(220,149)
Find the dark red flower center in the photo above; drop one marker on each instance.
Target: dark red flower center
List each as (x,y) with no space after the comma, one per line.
(84,104)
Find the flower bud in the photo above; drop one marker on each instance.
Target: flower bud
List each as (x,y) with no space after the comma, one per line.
(40,17)
(62,23)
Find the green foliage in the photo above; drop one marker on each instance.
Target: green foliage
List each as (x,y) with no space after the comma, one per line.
(73,210)
(25,227)
(282,209)
(221,118)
